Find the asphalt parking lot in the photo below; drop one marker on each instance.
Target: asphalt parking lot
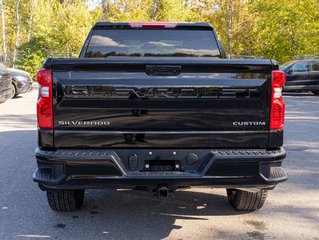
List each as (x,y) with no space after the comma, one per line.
(291,211)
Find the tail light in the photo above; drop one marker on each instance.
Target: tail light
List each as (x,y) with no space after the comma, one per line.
(44,104)
(277,108)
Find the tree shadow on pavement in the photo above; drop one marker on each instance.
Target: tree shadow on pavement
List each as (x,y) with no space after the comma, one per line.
(17,121)
(299,94)
(137,214)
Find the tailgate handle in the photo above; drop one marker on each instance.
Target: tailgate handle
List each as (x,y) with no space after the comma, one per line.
(163,70)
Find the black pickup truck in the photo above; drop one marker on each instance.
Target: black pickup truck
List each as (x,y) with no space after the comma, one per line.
(157,106)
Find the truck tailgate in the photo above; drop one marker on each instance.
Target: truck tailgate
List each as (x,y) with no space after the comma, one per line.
(161,102)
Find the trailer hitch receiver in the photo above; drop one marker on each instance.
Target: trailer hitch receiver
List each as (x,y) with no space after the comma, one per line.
(163,191)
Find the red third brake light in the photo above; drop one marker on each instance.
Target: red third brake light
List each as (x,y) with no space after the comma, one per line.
(44,104)
(152,24)
(277,108)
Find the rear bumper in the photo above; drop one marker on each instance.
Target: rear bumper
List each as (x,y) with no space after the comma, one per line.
(80,169)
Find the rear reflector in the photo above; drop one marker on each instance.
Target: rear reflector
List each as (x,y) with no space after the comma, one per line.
(277,114)
(152,24)
(44,104)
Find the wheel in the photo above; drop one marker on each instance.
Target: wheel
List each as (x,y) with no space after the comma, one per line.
(13,91)
(315,92)
(246,201)
(65,200)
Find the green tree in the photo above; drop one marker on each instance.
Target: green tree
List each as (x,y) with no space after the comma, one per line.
(60,28)
(134,10)
(172,10)
(232,20)
(32,55)
(285,29)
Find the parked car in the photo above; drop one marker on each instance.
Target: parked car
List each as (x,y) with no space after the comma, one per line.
(21,82)
(302,75)
(157,106)
(5,83)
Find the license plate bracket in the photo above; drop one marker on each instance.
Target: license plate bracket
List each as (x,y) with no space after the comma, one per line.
(162,165)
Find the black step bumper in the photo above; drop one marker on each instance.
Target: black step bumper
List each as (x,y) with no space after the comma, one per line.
(78,169)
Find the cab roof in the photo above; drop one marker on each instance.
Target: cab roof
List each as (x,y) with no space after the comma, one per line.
(195,25)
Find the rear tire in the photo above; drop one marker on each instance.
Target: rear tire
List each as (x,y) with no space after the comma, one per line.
(65,200)
(13,91)
(246,201)
(316,92)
